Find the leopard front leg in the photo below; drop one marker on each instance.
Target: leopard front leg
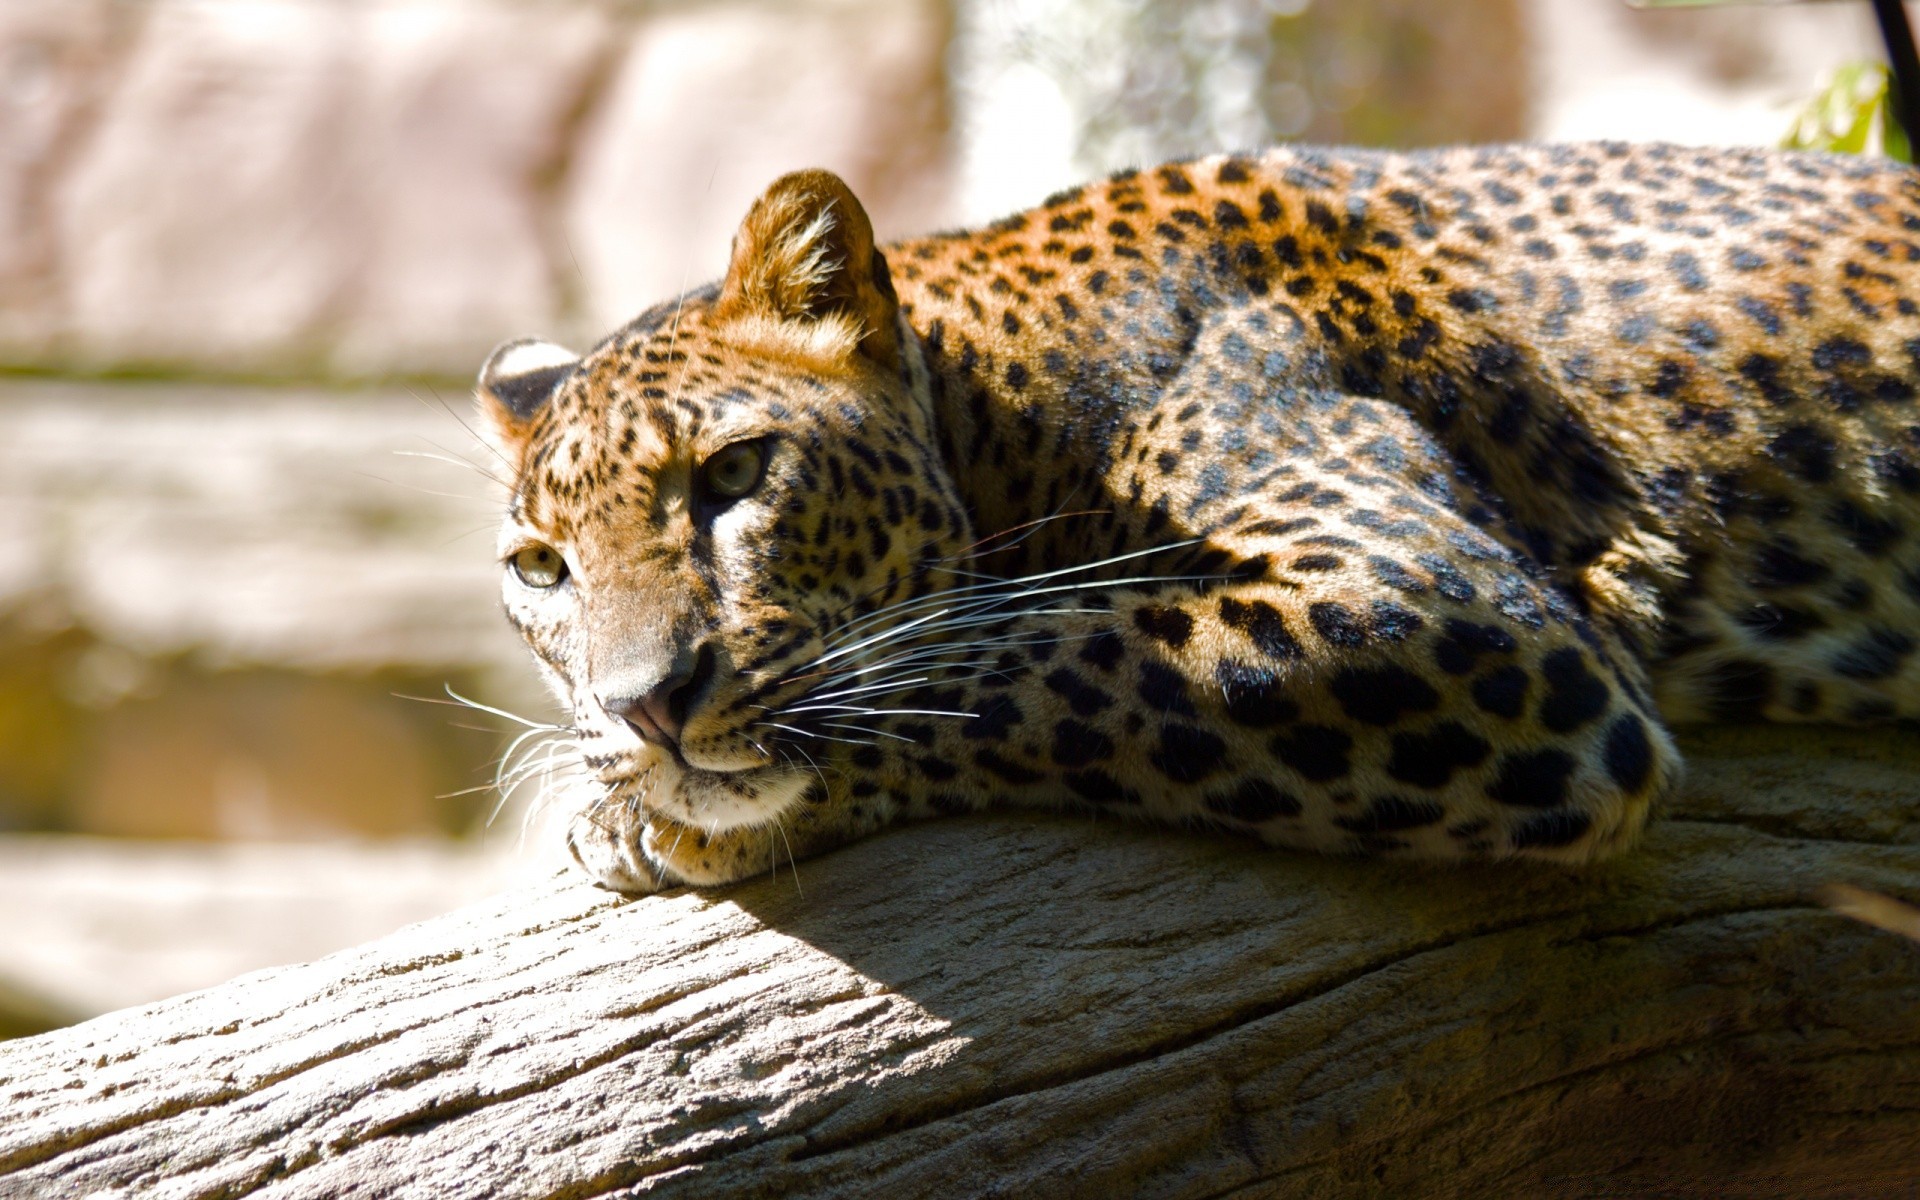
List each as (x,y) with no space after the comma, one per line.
(1313,722)
(1347,661)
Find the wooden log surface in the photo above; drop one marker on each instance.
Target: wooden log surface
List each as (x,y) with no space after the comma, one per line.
(1024,1006)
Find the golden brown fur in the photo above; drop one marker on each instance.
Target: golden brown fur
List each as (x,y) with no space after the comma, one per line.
(1359,502)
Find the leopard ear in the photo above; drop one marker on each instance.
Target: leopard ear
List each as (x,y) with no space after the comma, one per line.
(519,378)
(805,270)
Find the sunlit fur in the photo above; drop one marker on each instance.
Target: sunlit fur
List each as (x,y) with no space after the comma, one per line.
(1354,502)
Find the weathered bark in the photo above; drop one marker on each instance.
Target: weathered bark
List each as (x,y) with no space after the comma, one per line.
(1012,1006)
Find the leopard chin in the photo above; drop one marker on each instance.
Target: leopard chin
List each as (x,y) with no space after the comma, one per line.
(713,801)
(628,842)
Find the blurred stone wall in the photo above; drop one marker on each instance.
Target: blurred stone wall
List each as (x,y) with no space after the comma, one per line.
(1148,80)
(1728,75)
(210,596)
(373,187)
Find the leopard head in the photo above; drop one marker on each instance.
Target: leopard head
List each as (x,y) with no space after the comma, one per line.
(713,505)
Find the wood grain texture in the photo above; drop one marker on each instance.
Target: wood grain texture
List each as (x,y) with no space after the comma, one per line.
(1008,1006)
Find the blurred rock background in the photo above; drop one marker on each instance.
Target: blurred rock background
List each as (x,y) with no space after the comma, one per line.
(252,250)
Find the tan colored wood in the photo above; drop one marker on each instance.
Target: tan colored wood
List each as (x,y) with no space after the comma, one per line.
(1015,1006)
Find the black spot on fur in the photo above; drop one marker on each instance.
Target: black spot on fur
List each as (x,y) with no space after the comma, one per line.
(1392,623)
(1447,578)
(937,769)
(1533,780)
(1738,690)
(1262,623)
(1103,650)
(1188,753)
(1165,690)
(1227,215)
(1459,651)
(1873,535)
(1391,814)
(1253,694)
(1165,624)
(1806,450)
(1394,575)
(1253,801)
(1429,759)
(1574,696)
(1081,696)
(1780,622)
(1628,753)
(1840,353)
(1005,769)
(1382,695)
(1100,788)
(1877,655)
(1077,745)
(992,720)
(1337,624)
(1779,565)
(1317,752)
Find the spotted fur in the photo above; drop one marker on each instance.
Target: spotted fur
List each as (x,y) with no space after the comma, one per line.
(1359,502)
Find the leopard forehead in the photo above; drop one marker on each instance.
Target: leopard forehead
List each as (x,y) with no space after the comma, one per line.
(622,434)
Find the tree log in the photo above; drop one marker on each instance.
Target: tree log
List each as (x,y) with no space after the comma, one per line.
(1022,1006)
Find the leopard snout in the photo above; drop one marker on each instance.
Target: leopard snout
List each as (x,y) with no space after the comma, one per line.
(658,712)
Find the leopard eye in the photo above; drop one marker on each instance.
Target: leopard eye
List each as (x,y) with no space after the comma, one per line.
(734,470)
(538,566)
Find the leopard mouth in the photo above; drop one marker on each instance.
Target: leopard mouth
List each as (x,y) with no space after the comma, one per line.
(714,800)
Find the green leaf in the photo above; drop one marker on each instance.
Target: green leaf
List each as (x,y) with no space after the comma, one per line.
(1851,115)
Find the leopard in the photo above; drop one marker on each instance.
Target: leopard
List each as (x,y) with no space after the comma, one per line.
(1391,504)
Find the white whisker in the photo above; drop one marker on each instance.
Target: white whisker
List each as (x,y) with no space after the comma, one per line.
(814,734)
(501,712)
(1012,585)
(863,729)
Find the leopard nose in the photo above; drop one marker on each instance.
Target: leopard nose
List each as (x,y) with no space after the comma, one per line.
(659,713)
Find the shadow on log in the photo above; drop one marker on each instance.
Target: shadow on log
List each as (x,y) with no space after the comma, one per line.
(1054,1007)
